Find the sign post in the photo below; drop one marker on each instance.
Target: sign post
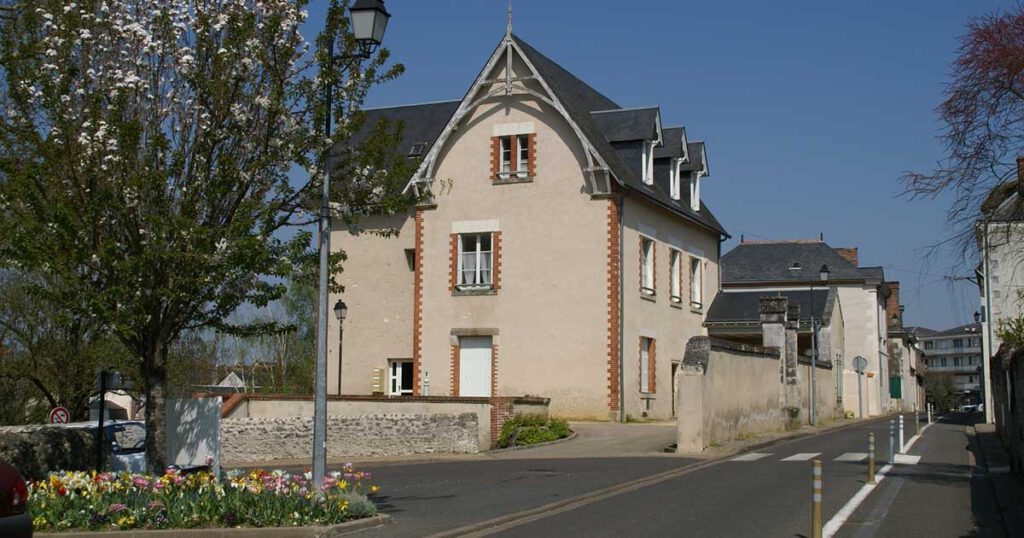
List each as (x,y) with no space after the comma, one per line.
(859,364)
(60,415)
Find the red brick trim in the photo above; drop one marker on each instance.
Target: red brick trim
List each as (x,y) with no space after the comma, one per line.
(501,408)
(496,261)
(531,158)
(494,368)
(513,154)
(453,262)
(495,156)
(613,305)
(455,370)
(652,370)
(417,304)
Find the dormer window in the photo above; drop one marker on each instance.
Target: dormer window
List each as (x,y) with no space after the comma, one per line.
(647,163)
(695,190)
(674,174)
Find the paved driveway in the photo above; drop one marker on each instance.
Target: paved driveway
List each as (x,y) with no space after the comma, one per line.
(604,440)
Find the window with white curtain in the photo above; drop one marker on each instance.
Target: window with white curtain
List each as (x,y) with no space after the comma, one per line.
(676,284)
(646,266)
(506,154)
(645,365)
(475,261)
(523,149)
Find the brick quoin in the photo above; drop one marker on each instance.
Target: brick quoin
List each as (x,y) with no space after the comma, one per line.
(496,247)
(613,305)
(417,304)
(531,160)
(453,262)
(455,370)
(495,156)
(501,408)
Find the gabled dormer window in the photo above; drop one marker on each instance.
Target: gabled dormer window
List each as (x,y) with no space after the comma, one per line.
(674,175)
(695,190)
(647,163)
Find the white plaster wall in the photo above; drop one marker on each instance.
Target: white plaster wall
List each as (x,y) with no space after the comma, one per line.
(861,319)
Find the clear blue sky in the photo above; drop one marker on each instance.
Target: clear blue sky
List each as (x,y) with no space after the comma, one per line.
(811,110)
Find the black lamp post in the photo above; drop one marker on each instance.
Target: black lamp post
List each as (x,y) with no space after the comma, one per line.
(369,21)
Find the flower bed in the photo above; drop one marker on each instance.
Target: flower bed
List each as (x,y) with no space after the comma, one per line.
(109,501)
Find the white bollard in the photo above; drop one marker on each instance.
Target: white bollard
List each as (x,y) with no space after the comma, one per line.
(929,413)
(901,434)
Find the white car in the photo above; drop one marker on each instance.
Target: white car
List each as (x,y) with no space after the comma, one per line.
(126,439)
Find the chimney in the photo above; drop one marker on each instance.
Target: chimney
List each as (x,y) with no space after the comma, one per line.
(893,316)
(1020,176)
(850,254)
(773,319)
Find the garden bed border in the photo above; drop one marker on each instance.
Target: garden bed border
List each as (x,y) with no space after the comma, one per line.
(327,531)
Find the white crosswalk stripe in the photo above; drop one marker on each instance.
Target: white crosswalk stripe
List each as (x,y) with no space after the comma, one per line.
(753,456)
(853,456)
(803,456)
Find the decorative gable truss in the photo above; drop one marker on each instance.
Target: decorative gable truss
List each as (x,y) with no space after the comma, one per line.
(495,82)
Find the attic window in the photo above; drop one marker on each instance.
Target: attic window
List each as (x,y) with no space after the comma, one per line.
(417,149)
(675,175)
(647,163)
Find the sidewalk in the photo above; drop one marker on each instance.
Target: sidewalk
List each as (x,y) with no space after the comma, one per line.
(1008,488)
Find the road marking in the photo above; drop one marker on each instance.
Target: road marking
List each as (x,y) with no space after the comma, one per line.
(847,510)
(837,521)
(906,459)
(803,456)
(853,456)
(753,456)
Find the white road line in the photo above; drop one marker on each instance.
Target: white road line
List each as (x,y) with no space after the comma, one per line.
(804,456)
(853,456)
(906,459)
(844,513)
(753,456)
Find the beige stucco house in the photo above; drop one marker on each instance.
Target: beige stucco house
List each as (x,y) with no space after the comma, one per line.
(560,249)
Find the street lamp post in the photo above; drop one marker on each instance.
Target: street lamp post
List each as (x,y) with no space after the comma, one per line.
(340,312)
(823,274)
(369,21)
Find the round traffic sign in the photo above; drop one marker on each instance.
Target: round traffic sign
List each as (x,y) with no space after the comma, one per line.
(60,415)
(860,363)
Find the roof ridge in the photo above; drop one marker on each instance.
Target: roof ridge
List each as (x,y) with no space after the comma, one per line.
(427,103)
(533,50)
(630,109)
(777,241)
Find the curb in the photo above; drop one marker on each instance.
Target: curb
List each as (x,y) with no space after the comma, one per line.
(341,529)
(572,435)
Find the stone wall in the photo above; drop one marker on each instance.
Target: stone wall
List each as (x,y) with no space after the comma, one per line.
(264,439)
(38,450)
(1007,374)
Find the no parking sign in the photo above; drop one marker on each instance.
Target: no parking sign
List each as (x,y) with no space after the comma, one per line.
(60,415)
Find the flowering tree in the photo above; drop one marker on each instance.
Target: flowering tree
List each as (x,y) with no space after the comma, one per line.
(151,151)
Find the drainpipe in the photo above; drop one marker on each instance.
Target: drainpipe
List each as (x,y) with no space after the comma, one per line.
(622,310)
(986,393)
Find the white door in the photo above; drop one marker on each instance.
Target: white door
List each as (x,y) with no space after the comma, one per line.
(475,366)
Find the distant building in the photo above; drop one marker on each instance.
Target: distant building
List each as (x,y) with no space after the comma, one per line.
(793,268)
(1000,238)
(957,352)
(906,359)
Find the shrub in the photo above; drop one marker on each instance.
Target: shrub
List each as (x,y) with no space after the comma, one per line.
(522,430)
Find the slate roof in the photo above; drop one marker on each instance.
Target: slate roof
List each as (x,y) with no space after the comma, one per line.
(424,123)
(770,261)
(697,157)
(740,307)
(1004,203)
(671,143)
(920,331)
(421,124)
(627,124)
(970,329)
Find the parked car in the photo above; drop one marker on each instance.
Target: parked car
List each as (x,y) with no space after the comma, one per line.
(968,408)
(126,443)
(14,520)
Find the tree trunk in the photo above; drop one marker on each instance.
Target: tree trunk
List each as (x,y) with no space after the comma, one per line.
(155,373)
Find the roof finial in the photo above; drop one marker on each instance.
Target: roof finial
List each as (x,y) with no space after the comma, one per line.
(509,28)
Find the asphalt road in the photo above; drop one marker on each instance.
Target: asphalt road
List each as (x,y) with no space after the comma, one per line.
(945,494)
(423,499)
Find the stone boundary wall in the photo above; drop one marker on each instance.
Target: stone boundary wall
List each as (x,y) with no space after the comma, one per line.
(1007,373)
(369,425)
(263,439)
(37,450)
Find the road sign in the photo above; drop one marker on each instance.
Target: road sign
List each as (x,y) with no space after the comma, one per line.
(860,363)
(60,415)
